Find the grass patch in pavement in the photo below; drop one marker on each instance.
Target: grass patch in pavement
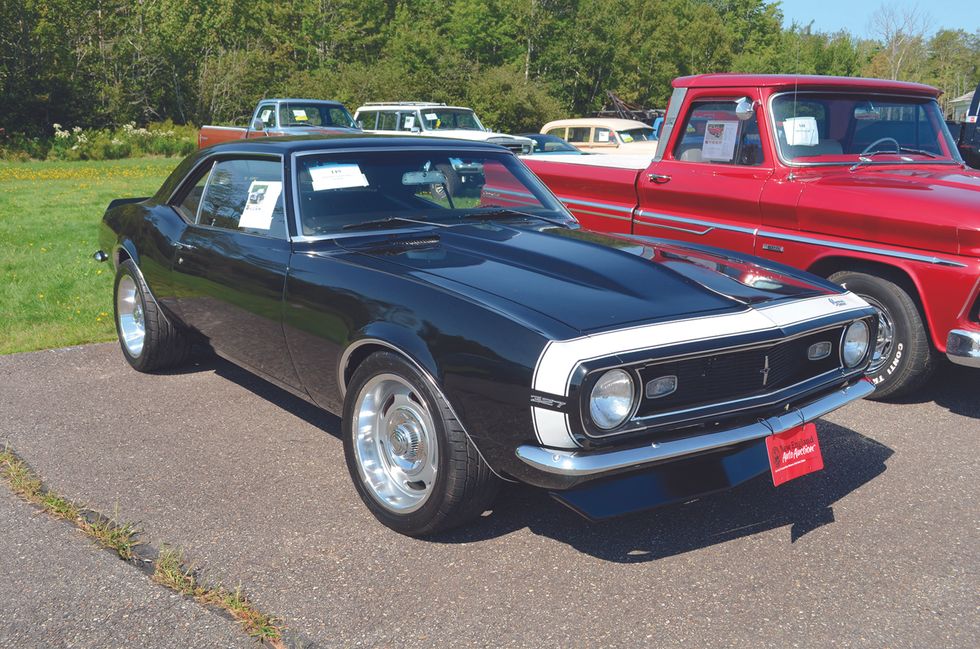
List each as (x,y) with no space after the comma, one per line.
(169,568)
(54,294)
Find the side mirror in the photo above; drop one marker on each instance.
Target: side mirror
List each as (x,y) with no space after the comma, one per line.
(258,124)
(360,123)
(744,109)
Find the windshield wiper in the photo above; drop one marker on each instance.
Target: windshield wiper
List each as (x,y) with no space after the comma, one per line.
(865,158)
(379,224)
(500,211)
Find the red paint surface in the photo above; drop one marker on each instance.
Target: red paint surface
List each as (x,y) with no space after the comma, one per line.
(794,453)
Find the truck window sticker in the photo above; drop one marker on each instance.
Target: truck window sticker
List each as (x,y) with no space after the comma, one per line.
(337,176)
(264,115)
(719,140)
(300,115)
(263,195)
(801,131)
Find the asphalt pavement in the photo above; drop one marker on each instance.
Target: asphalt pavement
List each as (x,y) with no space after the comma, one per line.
(880,549)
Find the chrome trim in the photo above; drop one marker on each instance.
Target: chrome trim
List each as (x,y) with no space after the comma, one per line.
(579,210)
(581,463)
(963,347)
(605,206)
(859,248)
(690,221)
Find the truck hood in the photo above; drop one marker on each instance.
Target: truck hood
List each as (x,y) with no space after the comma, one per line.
(928,207)
(584,280)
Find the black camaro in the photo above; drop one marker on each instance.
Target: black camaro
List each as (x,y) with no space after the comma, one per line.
(442,299)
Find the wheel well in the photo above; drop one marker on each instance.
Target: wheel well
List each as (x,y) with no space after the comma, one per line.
(360,354)
(121,256)
(829,265)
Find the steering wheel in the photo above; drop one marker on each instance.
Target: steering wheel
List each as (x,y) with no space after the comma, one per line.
(871,147)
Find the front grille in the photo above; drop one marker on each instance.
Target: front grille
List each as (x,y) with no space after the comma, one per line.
(513,145)
(739,374)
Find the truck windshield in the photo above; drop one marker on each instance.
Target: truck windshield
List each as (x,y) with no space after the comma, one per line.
(343,191)
(442,119)
(829,128)
(314,115)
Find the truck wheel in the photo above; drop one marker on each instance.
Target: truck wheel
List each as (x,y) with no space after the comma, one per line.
(452,185)
(148,339)
(903,356)
(410,460)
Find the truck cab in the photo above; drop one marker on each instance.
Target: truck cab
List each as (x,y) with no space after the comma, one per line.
(857,180)
(283,117)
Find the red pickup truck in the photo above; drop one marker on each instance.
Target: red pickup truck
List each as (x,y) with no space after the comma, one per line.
(857,180)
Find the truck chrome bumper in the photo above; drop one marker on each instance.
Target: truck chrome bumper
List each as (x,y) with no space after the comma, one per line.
(585,463)
(963,347)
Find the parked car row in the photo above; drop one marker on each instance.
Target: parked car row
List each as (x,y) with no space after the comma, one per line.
(624,333)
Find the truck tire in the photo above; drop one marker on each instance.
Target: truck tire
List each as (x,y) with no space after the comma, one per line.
(409,458)
(903,357)
(149,340)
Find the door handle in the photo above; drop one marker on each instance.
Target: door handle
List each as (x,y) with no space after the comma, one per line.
(660,179)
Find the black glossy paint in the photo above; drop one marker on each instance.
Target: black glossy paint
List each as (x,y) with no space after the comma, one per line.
(473,304)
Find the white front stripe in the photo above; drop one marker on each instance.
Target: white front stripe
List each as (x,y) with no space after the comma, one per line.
(559,359)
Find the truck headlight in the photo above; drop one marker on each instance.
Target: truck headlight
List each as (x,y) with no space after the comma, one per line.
(855,345)
(612,399)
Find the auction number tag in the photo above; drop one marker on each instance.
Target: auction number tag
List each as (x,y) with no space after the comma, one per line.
(794,453)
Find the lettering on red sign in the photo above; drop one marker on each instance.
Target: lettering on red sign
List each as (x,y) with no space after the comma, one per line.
(794,453)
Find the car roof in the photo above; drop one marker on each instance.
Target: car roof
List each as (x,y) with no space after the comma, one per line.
(605,122)
(808,81)
(287,145)
(408,104)
(318,101)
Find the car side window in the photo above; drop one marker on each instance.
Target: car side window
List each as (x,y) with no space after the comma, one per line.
(579,134)
(267,113)
(368,119)
(603,136)
(245,195)
(191,201)
(408,121)
(387,121)
(558,132)
(713,133)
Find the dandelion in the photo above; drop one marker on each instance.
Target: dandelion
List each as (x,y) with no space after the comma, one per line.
(40,296)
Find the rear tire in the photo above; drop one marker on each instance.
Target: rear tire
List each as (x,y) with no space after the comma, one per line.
(149,340)
(904,358)
(409,458)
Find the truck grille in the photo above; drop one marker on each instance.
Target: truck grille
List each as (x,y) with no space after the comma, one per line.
(746,373)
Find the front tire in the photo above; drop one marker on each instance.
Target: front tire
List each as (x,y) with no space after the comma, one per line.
(903,358)
(149,340)
(409,458)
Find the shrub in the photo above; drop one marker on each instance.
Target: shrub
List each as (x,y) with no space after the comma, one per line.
(127,141)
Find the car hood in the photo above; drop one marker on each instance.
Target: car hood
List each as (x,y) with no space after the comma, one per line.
(480,136)
(928,207)
(585,280)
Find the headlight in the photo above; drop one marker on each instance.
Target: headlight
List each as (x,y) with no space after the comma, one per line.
(612,399)
(856,343)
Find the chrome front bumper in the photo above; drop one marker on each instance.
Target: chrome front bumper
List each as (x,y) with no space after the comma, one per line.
(963,347)
(585,463)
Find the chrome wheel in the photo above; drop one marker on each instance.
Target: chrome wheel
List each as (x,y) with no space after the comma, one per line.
(886,336)
(129,312)
(395,443)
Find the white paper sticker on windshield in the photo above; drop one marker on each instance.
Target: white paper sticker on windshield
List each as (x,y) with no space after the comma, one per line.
(410,121)
(262,198)
(719,140)
(602,136)
(264,115)
(431,116)
(801,131)
(627,138)
(300,115)
(339,176)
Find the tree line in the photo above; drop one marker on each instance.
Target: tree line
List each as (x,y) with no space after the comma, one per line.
(519,63)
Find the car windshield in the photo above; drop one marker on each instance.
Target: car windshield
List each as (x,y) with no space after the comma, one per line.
(339,191)
(441,119)
(314,115)
(828,128)
(637,135)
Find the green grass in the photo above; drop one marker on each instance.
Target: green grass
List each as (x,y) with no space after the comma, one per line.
(53,293)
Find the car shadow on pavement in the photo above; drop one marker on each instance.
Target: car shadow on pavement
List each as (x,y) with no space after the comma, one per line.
(953,387)
(805,504)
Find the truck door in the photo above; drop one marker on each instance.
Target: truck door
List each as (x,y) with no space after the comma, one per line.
(706,187)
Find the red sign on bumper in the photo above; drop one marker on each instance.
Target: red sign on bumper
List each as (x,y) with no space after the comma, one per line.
(793,453)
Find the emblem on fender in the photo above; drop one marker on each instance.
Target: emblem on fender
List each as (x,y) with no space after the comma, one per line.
(546,402)
(837,301)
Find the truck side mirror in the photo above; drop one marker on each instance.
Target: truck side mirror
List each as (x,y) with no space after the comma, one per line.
(258,124)
(744,109)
